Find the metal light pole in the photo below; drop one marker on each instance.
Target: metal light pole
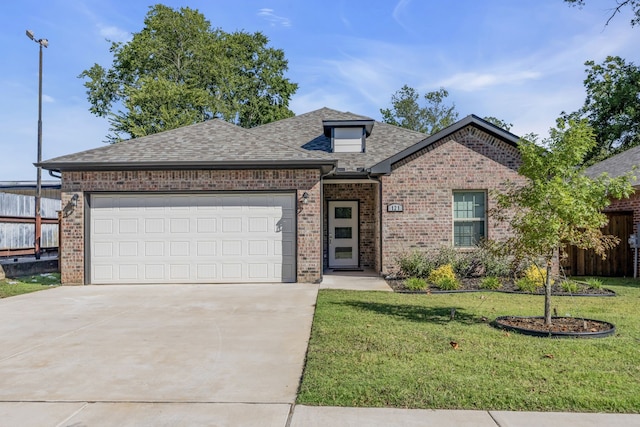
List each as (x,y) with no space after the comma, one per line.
(38,219)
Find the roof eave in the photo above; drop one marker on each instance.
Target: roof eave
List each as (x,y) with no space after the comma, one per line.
(324,165)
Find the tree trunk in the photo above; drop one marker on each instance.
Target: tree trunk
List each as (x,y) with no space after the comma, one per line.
(547,295)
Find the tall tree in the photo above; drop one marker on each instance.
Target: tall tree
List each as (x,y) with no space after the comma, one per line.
(499,122)
(559,205)
(406,111)
(616,8)
(178,70)
(612,106)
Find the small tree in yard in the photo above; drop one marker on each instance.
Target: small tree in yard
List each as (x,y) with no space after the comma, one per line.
(559,205)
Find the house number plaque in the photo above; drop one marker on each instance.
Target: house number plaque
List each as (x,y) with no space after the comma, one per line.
(395,207)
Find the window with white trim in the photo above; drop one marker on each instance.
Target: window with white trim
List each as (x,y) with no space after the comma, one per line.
(469,218)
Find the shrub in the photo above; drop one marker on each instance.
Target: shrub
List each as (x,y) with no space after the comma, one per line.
(492,261)
(490,282)
(415,284)
(444,277)
(448,284)
(528,285)
(415,264)
(536,274)
(594,283)
(570,286)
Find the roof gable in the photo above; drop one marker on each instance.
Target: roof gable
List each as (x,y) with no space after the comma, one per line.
(384,167)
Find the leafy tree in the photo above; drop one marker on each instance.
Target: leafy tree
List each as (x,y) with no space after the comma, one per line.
(612,106)
(499,122)
(619,5)
(178,70)
(406,111)
(559,205)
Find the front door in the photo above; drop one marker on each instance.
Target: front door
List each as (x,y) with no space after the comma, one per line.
(343,234)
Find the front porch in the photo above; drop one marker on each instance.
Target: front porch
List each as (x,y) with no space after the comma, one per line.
(351,225)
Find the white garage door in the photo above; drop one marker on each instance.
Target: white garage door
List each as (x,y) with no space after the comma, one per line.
(192,238)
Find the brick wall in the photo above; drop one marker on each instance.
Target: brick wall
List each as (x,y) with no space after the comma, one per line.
(424,184)
(630,204)
(367,196)
(309,264)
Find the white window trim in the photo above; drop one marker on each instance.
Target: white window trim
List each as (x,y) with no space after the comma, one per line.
(454,219)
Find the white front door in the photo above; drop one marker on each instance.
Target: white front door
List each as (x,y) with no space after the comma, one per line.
(343,234)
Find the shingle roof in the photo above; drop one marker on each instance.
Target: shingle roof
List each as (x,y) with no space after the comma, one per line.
(306,132)
(211,142)
(617,165)
(298,141)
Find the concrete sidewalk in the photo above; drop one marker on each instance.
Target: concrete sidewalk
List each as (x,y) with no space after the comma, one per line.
(354,280)
(311,416)
(180,414)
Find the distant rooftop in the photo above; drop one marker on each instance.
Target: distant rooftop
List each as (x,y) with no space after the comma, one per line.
(8,185)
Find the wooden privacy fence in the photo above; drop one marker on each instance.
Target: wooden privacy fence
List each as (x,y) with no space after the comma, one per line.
(619,260)
(17,224)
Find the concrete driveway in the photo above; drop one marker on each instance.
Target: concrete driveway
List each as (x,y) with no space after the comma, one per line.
(123,355)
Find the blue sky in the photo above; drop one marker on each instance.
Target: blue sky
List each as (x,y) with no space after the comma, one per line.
(521,61)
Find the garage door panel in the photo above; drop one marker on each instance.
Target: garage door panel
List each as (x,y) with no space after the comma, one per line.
(127,272)
(153,225)
(103,226)
(192,238)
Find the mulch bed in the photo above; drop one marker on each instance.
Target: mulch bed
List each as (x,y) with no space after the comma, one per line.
(558,324)
(473,285)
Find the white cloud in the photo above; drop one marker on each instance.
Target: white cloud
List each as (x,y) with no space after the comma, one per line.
(399,11)
(113,33)
(273,19)
(48,99)
(472,81)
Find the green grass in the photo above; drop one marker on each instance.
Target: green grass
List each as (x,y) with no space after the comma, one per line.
(377,349)
(24,285)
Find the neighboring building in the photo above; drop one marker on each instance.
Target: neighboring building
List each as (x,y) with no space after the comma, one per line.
(17,216)
(624,217)
(213,202)
(49,189)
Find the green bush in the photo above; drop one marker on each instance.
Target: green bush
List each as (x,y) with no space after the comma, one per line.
(492,262)
(570,286)
(444,277)
(528,285)
(490,282)
(594,283)
(485,260)
(448,284)
(415,264)
(536,274)
(415,284)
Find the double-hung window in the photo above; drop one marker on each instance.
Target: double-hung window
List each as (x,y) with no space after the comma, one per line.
(469,218)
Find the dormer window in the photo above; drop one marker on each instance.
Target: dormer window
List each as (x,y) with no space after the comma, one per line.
(347,136)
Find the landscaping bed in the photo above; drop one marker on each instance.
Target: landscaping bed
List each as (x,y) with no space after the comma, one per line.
(508,286)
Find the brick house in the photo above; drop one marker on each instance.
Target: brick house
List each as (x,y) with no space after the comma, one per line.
(216,203)
(624,217)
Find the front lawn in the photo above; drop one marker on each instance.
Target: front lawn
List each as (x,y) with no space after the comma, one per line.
(24,285)
(377,349)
